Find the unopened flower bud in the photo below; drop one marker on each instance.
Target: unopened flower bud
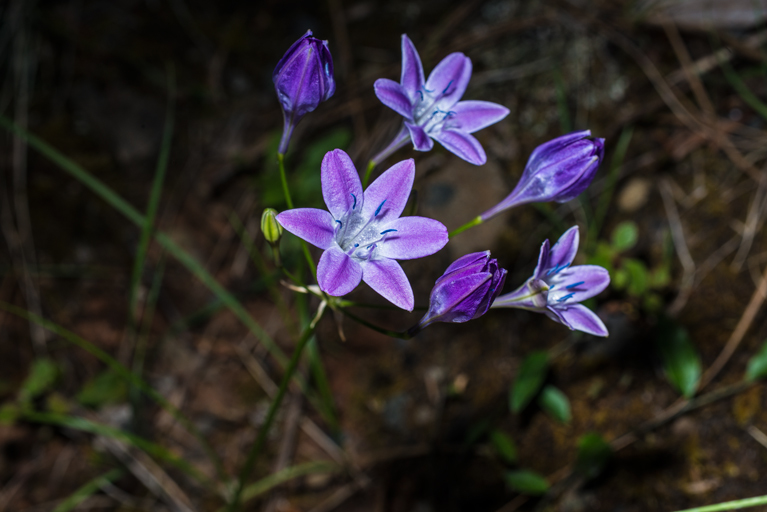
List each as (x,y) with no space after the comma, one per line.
(271,229)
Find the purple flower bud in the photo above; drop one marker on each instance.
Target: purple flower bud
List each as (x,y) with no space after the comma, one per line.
(558,171)
(466,290)
(303,79)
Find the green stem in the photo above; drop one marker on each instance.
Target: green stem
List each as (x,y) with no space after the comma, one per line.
(258,445)
(368,171)
(476,221)
(730,505)
(289,202)
(401,335)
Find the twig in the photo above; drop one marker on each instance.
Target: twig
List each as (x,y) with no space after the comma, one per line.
(704,102)
(287,446)
(677,235)
(753,219)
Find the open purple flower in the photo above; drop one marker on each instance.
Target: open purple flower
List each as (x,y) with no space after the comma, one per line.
(363,234)
(557,170)
(465,291)
(303,79)
(431,108)
(556,288)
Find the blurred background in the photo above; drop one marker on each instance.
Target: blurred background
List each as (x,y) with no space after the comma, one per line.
(132,380)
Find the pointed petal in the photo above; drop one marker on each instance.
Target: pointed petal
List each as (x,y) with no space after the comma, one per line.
(340,183)
(421,141)
(412,69)
(463,145)
(389,193)
(415,237)
(313,225)
(564,250)
(449,79)
(579,283)
(386,277)
(471,116)
(543,261)
(394,96)
(580,318)
(460,300)
(545,151)
(472,259)
(337,273)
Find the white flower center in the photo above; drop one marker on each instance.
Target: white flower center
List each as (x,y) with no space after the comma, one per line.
(359,236)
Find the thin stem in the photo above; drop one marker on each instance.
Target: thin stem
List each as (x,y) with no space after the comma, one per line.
(397,142)
(401,335)
(730,505)
(289,202)
(258,445)
(476,221)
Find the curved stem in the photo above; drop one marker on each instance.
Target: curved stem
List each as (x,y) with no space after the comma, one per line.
(401,335)
(476,221)
(397,142)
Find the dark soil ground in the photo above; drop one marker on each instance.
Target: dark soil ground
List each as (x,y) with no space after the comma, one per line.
(413,421)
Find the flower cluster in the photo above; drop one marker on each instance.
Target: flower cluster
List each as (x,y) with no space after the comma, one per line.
(362,234)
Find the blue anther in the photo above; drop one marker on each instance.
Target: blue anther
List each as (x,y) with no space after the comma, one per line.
(448,114)
(427,90)
(562,299)
(340,223)
(387,231)
(420,94)
(552,270)
(569,286)
(356,245)
(355,202)
(378,210)
(448,87)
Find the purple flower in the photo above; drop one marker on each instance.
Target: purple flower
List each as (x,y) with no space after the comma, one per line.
(431,108)
(556,288)
(558,171)
(363,233)
(303,79)
(466,289)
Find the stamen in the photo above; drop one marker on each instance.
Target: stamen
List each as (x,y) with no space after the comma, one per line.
(378,210)
(427,90)
(448,87)
(420,94)
(387,231)
(562,299)
(569,286)
(356,245)
(448,114)
(340,223)
(355,201)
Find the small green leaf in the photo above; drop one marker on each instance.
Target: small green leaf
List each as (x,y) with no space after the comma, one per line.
(619,278)
(660,277)
(757,366)
(680,359)
(504,445)
(9,413)
(593,454)
(637,271)
(527,482)
(625,236)
(40,379)
(603,256)
(556,403)
(107,387)
(529,380)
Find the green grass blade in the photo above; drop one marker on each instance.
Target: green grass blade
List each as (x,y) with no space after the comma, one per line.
(268,483)
(742,89)
(731,505)
(88,489)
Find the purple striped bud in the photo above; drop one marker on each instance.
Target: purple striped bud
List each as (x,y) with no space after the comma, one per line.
(303,79)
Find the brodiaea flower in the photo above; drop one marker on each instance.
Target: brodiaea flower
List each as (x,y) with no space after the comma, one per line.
(431,108)
(303,79)
(556,288)
(363,234)
(558,170)
(466,290)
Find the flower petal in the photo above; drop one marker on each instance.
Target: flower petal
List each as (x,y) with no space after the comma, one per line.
(463,145)
(340,183)
(386,197)
(580,318)
(386,277)
(546,150)
(471,116)
(462,299)
(579,283)
(337,273)
(473,259)
(421,141)
(448,81)
(313,225)
(415,237)
(393,95)
(543,260)
(412,69)
(564,250)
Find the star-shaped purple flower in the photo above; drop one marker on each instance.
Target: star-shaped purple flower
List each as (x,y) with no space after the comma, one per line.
(556,288)
(431,108)
(362,234)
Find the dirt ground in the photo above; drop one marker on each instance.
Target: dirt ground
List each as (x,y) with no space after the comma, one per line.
(676,92)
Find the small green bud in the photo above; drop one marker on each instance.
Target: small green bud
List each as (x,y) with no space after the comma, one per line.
(270,227)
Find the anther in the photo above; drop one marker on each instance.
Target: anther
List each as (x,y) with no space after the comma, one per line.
(420,94)
(341,224)
(569,286)
(448,87)
(378,210)
(355,202)
(387,231)
(562,299)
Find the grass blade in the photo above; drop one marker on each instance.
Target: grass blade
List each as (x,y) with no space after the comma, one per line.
(268,483)
(88,489)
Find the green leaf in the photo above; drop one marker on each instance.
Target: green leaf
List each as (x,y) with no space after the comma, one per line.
(603,256)
(593,454)
(270,482)
(529,380)
(504,446)
(41,377)
(87,490)
(556,403)
(9,413)
(625,236)
(106,388)
(680,358)
(527,482)
(637,272)
(660,277)
(619,278)
(757,366)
